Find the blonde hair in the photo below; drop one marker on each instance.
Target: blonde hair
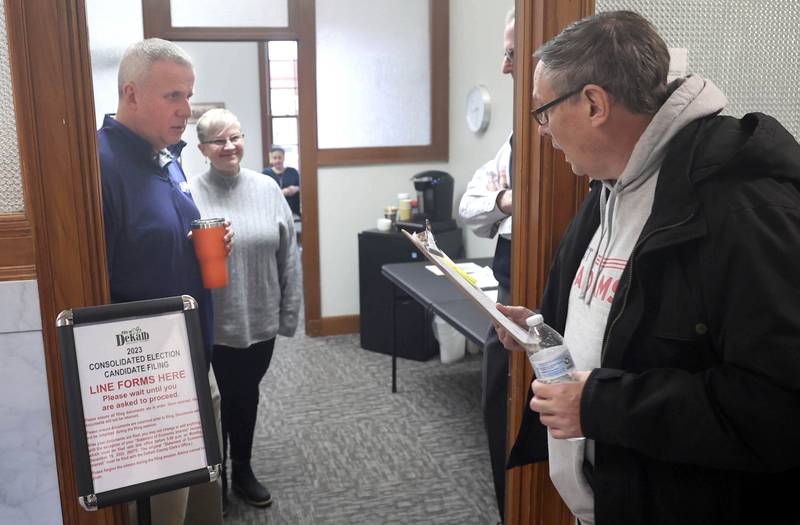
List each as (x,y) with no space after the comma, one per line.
(213,121)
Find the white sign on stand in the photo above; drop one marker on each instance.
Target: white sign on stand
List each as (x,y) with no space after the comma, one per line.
(138,399)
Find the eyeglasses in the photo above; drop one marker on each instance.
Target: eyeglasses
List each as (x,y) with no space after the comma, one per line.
(233,139)
(508,54)
(539,113)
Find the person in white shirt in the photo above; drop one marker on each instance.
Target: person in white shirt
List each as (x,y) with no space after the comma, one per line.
(486,208)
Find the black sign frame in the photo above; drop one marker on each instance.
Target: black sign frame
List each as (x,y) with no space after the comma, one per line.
(66,322)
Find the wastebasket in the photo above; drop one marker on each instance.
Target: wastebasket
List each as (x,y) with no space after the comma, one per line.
(451,343)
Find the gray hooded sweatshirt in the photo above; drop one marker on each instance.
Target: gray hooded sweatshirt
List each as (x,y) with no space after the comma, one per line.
(625,205)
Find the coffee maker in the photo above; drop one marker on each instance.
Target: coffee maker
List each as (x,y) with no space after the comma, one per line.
(434,202)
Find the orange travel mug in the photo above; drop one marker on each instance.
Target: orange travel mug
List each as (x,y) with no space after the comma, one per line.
(208,236)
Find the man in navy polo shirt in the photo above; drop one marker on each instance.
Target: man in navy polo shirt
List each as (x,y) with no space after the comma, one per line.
(147,207)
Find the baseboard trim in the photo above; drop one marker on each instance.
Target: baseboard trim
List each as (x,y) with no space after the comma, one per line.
(338,325)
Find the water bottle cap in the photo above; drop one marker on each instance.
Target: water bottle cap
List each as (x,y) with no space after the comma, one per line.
(534,320)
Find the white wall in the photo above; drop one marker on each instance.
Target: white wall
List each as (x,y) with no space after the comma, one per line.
(29,484)
(352,198)
(113,26)
(476,55)
(226,72)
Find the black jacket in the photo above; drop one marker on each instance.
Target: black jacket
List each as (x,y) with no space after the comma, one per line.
(696,409)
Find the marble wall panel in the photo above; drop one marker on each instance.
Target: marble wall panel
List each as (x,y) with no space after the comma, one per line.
(29,484)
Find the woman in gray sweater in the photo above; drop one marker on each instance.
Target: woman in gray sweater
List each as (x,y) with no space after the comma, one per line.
(262,298)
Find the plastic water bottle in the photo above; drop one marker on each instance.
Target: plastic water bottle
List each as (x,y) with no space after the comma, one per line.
(549,356)
(547,353)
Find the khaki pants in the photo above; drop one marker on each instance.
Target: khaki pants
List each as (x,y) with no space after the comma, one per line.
(199,504)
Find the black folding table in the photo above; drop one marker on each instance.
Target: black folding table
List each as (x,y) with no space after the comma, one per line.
(441,297)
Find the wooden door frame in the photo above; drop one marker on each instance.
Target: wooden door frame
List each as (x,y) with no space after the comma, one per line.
(54,107)
(546,196)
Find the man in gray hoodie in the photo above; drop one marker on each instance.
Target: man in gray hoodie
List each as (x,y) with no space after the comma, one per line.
(670,289)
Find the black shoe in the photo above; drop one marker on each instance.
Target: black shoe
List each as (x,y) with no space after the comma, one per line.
(246,486)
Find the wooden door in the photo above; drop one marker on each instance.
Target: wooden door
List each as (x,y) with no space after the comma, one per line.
(49,56)
(547,194)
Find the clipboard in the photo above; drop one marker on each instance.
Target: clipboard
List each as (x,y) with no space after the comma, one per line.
(467,285)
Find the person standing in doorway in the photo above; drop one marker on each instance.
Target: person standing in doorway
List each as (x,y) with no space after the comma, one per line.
(262,299)
(288,178)
(486,208)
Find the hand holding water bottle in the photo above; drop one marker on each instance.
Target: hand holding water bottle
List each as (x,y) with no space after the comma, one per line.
(558,403)
(552,363)
(559,406)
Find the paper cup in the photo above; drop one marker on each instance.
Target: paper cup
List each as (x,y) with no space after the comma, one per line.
(384,224)
(208,236)
(404,210)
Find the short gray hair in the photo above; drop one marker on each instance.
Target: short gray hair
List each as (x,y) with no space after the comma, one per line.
(213,121)
(140,57)
(620,51)
(510,15)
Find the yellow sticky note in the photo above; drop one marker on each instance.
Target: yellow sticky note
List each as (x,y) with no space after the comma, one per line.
(470,279)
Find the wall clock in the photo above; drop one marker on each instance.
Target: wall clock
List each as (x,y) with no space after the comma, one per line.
(479,109)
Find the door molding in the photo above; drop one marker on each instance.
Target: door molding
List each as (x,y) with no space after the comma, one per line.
(54,106)
(546,196)
(16,248)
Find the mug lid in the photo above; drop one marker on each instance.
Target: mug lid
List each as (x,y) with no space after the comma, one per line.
(202,224)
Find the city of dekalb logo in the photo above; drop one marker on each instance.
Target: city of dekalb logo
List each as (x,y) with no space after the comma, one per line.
(131,336)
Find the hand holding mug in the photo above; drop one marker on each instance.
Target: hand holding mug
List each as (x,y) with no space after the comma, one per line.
(228,236)
(212,240)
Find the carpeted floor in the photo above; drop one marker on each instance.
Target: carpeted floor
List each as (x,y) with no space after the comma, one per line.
(335,446)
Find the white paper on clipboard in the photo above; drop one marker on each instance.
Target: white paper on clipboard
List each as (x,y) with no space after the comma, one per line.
(483,274)
(478,296)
